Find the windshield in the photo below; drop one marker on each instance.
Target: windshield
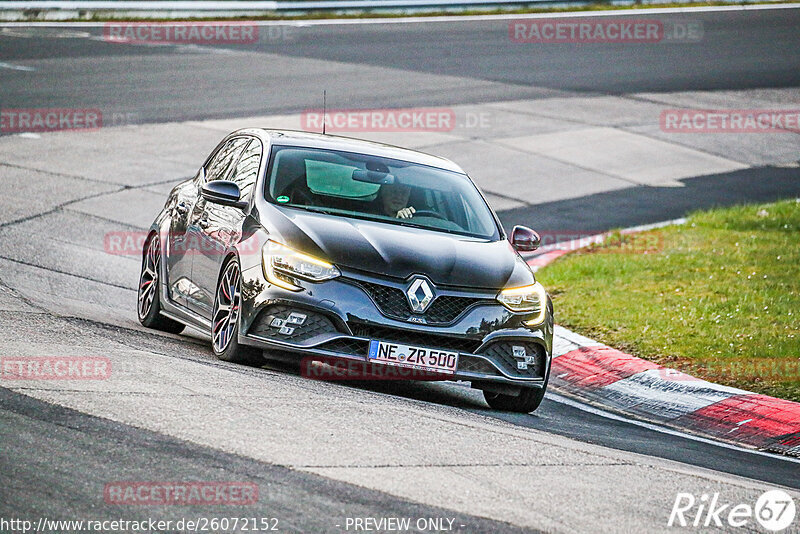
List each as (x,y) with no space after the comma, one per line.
(386,190)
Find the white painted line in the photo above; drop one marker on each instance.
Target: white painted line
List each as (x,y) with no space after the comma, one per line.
(462,18)
(16,67)
(664,430)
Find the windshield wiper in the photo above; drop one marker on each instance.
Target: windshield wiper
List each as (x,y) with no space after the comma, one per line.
(434,228)
(315,209)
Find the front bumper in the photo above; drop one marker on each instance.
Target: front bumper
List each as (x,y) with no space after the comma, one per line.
(342,316)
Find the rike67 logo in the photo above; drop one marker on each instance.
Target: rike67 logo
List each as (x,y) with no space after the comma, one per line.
(774,511)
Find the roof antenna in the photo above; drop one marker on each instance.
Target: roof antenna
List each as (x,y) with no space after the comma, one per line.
(324,117)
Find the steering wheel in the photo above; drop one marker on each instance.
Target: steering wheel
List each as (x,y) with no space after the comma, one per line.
(429,213)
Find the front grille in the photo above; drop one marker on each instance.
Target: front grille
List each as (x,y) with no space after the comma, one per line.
(392,302)
(446,308)
(502,353)
(314,324)
(410,337)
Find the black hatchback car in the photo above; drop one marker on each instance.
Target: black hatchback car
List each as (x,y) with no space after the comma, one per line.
(329,248)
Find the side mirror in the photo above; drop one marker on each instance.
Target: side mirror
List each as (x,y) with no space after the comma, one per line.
(224,193)
(524,239)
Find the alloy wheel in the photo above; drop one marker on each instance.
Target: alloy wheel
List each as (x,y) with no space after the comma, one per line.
(226,307)
(148,281)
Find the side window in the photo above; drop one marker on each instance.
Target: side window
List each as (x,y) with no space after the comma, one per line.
(246,171)
(219,166)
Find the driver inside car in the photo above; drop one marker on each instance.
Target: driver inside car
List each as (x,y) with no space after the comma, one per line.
(393,201)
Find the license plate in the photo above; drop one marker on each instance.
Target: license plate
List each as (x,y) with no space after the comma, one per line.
(426,359)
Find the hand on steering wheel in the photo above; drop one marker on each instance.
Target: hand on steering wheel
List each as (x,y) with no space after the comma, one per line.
(406,213)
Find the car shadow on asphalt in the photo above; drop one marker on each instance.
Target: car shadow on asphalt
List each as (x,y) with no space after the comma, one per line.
(446,393)
(637,205)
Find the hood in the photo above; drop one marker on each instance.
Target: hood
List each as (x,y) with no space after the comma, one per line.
(399,251)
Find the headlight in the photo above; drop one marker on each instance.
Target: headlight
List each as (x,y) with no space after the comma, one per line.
(532,298)
(282,264)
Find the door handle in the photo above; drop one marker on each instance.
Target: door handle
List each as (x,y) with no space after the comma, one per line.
(182,208)
(203,222)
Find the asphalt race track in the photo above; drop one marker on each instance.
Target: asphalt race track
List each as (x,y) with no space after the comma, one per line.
(364,66)
(534,126)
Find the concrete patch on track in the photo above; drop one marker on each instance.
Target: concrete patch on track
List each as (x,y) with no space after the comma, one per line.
(132,207)
(37,191)
(634,158)
(520,176)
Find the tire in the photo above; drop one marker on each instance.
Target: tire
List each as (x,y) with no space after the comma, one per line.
(225,319)
(526,402)
(148,303)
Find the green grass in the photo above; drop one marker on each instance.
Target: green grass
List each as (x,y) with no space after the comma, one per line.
(718,297)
